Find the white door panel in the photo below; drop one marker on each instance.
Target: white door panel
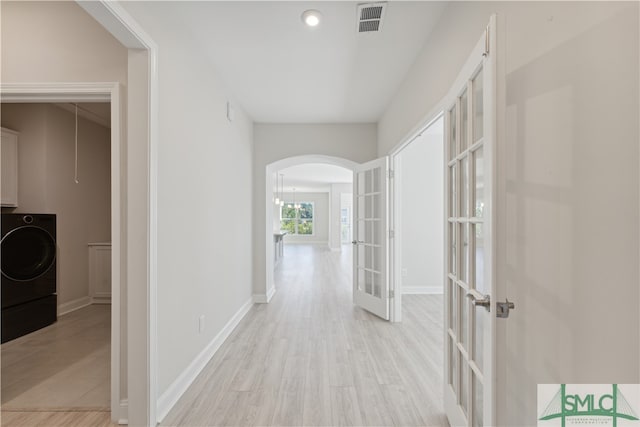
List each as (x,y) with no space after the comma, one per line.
(470,132)
(370,237)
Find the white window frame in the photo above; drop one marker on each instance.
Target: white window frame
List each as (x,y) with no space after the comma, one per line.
(297,218)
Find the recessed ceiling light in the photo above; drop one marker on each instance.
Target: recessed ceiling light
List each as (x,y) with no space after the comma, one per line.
(311,17)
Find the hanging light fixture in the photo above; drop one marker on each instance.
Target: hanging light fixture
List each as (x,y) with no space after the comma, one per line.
(282,192)
(296,206)
(276,199)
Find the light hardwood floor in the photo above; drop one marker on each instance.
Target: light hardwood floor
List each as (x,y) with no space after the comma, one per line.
(312,358)
(63,367)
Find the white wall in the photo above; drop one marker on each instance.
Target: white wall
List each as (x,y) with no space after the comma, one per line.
(567,248)
(56,41)
(52,41)
(273,142)
(46,185)
(204,170)
(320,217)
(420,180)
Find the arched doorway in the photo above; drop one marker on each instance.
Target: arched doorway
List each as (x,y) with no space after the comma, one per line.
(270,173)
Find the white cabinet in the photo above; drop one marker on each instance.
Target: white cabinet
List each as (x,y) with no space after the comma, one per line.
(100,273)
(9,168)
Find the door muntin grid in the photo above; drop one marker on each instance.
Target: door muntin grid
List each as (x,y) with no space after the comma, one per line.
(465,243)
(369,250)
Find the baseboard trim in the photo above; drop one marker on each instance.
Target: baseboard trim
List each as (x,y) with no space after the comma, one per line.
(74,305)
(170,397)
(259,299)
(123,416)
(270,293)
(421,290)
(101,299)
(306,242)
(264,299)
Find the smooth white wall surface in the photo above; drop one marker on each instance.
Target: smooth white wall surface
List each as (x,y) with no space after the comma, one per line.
(320,217)
(57,41)
(420,175)
(273,142)
(567,208)
(46,184)
(204,203)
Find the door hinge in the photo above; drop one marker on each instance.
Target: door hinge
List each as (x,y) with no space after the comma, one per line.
(392,293)
(486,42)
(391,174)
(392,234)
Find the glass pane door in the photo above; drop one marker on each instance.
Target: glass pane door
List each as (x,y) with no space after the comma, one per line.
(370,243)
(469,334)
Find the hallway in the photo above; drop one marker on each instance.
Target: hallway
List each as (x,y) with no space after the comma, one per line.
(310,357)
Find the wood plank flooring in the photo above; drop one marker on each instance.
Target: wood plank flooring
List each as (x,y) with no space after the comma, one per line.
(311,358)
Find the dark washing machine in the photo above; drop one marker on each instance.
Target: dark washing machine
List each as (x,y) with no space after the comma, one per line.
(28,266)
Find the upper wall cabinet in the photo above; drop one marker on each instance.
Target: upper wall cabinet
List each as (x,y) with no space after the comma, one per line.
(9,168)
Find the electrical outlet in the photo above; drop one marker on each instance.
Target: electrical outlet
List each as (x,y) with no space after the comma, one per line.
(404,272)
(201,324)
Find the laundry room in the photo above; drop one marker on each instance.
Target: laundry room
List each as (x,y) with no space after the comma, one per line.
(56,254)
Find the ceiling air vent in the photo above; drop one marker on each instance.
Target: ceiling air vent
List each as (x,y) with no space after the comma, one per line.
(370,16)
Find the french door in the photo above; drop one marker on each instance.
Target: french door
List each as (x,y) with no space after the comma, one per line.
(470,133)
(370,237)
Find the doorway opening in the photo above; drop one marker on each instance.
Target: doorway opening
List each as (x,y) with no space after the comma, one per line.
(56,324)
(101,103)
(310,214)
(418,216)
(308,211)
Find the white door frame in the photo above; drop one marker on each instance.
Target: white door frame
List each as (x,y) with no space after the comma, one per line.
(94,92)
(395,249)
(265,295)
(141,214)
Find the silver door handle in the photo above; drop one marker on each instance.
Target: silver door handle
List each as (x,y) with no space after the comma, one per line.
(355,242)
(485,301)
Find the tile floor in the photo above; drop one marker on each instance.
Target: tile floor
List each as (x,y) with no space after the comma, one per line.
(65,365)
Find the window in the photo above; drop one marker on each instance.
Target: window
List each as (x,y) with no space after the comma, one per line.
(297,221)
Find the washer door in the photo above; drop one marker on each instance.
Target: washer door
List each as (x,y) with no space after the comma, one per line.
(27,253)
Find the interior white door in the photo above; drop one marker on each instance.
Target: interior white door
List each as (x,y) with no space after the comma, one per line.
(470,132)
(371,234)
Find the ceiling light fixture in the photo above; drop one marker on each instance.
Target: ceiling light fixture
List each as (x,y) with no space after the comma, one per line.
(282,192)
(311,17)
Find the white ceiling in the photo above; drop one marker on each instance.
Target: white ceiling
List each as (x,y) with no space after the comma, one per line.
(284,72)
(314,177)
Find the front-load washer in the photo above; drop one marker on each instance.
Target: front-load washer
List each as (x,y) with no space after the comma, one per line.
(28,267)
